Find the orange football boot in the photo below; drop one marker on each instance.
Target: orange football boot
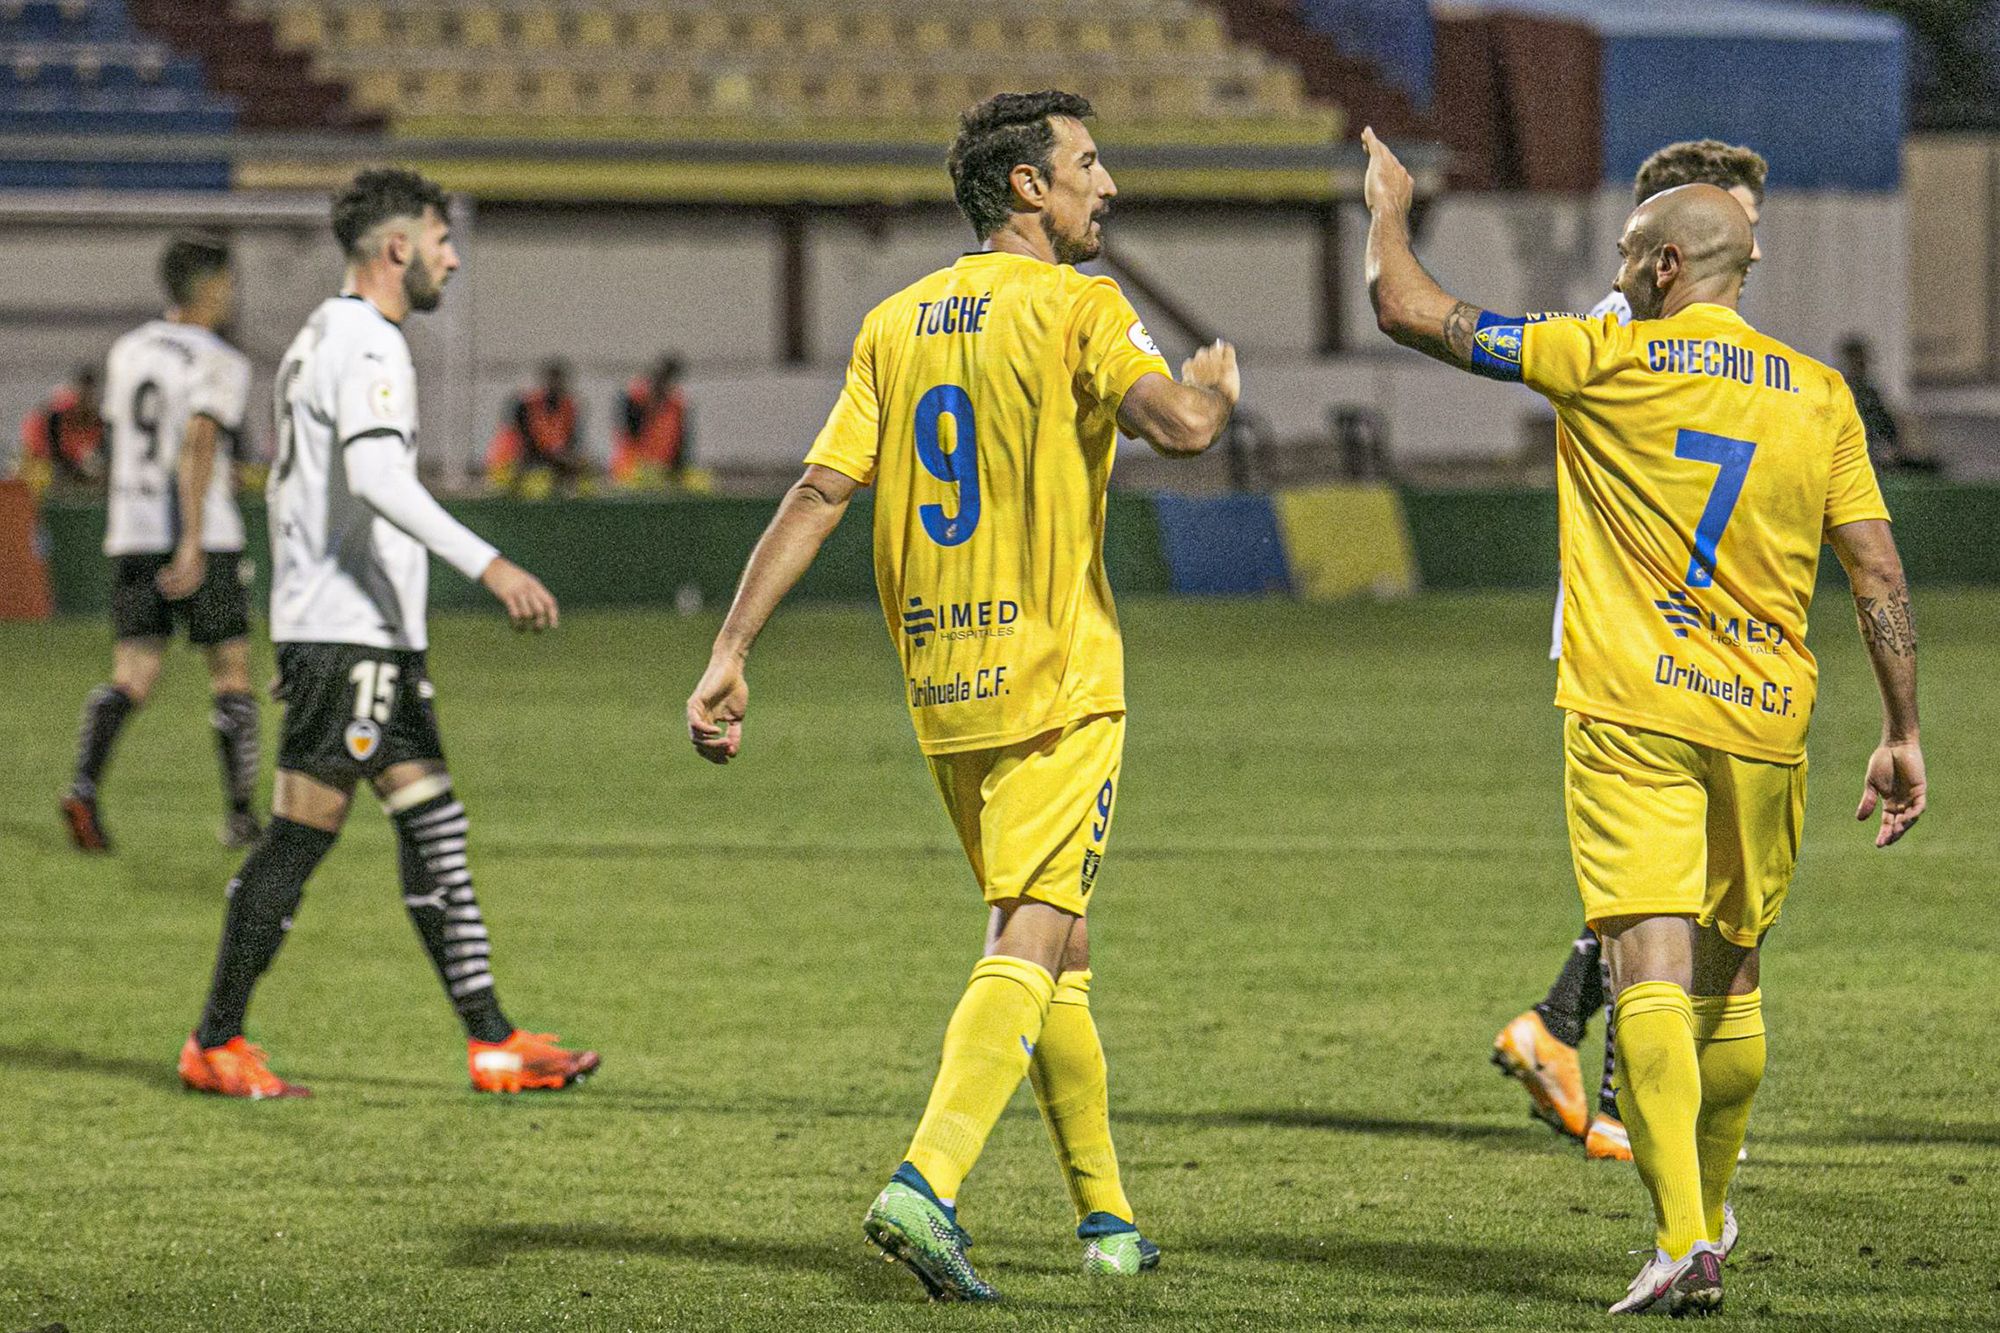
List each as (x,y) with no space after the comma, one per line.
(1547,1069)
(86,829)
(1607,1141)
(234,1069)
(526,1061)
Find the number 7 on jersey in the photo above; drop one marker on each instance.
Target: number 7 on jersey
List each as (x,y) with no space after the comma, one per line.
(1732,459)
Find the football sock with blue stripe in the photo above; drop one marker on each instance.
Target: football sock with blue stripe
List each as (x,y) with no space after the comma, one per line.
(1072,1087)
(987,1048)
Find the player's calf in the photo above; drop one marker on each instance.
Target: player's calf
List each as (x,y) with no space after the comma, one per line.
(262,899)
(105,712)
(431,830)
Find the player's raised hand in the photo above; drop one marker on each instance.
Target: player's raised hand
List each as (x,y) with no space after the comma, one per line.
(1388,184)
(529,605)
(1895,781)
(1214,368)
(715,710)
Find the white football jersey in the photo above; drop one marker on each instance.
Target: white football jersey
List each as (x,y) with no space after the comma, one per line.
(340,572)
(156,378)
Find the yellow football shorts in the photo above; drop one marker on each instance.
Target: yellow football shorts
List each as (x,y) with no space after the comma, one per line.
(1661,826)
(1034,815)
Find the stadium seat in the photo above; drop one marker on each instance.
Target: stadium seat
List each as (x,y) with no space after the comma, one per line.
(785,64)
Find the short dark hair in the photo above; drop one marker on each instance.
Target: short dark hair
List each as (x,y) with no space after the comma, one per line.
(189,259)
(1701,162)
(375,196)
(996,136)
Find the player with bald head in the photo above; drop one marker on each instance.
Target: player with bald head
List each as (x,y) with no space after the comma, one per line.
(1686,245)
(1700,464)
(1538,1046)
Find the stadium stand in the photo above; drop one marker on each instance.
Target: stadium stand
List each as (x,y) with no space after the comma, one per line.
(81,67)
(272,87)
(837,69)
(1371,85)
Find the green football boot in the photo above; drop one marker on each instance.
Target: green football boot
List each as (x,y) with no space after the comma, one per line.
(913,1229)
(1113,1246)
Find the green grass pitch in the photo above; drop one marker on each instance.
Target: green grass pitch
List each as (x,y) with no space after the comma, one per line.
(1338,868)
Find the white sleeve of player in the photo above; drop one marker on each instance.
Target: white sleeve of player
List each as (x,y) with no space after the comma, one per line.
(382,473)
(222,389)
(376,392)
(1613,304)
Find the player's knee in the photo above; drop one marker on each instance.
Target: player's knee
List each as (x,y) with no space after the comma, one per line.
(134,686)
(229,674)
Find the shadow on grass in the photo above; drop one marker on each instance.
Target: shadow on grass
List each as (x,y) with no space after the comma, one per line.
(158,1073)
(1450,1268)
(1297,1117)
(1912,1133)
(484,1246)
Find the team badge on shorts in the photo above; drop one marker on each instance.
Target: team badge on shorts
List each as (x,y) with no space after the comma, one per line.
(363,737)
(1091,860)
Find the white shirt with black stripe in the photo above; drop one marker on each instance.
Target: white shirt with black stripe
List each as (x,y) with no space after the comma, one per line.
(342,570)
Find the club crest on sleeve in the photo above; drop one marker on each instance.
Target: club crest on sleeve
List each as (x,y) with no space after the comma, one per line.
(362,737)
(1142,339)
(1502,342)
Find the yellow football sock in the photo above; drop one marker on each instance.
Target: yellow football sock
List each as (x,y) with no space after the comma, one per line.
(987,1047)
(1072,1088)
(1729,1043)
(1659,1097)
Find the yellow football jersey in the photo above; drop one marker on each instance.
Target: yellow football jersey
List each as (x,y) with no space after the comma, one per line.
(981,403)
(1700,464)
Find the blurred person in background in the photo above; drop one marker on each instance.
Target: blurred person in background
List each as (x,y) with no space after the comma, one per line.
(1885,438)
(538,448)
(175,395)
(655,430)
(62,439)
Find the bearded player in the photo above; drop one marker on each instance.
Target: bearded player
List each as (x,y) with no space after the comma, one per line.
(174,395)
(983,403)
(352,533)
(1700,464)
(1539,1046)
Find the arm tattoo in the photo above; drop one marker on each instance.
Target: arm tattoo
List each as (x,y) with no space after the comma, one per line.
(1887,624)
(1459,327)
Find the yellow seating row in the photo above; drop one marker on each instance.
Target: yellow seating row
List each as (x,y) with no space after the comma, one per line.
(801,91)
(333,24)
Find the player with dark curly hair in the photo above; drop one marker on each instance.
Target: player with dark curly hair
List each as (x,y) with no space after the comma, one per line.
(352,532)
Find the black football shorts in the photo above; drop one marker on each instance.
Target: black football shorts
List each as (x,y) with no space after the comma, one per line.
(216,612)
(352,711)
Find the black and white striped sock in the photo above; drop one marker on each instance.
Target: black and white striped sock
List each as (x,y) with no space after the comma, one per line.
(1607,1091)
(237,744)
(104,712)
(431,828)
